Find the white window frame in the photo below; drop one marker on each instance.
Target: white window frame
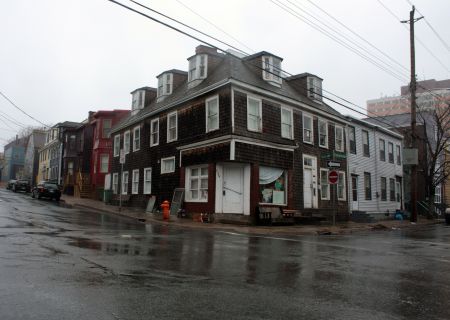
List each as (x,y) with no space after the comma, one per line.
(116,145)
(135,181)
(102,156)
(147,183)
(162,164)
(152,132)
(438,194)
(391,146)
(382,150)
(336,129)
(195,65)
(290,124)
(124,182)
(271,66)
(115,182)
(314,86)
(176,126)
(326,132)
(398,149)
(258,117)
(305,115)
(108,128)
(136,142)
(165,81)
(327,195)
(209,128)
(126,141)
(343,186)
(199,179)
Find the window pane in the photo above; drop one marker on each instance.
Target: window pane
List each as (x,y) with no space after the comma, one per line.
(194,183)
(204,184)
(204,171)
(194,172)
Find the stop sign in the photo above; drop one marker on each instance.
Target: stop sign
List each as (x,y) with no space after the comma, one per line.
(333,177)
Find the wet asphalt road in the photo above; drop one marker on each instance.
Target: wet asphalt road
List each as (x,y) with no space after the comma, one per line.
(62,263)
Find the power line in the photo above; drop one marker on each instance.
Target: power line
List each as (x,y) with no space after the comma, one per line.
(13,121)
(12,103)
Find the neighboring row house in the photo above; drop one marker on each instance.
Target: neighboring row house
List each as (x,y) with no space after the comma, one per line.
(31,162)
(375,168)
(14,159)
(235,135)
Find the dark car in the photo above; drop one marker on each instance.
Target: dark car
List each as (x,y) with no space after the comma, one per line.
(10,184)
(46,189)
(21,185)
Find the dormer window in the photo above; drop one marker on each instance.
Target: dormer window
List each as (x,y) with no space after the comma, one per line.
(315,88)
(165,84)
(138,100)
(198,67)
(271,69)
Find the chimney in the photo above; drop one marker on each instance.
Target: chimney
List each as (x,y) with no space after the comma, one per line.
(204,49)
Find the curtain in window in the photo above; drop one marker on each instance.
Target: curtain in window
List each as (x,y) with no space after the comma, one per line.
(268,174)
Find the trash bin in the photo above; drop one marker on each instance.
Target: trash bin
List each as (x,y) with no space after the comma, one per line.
(107,196)
(447,216)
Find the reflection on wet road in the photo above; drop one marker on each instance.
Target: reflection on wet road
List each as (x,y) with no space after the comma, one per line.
(59,262)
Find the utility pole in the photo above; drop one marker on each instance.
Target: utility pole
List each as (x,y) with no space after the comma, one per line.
(413,142)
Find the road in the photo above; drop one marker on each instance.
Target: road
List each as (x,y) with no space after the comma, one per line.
(64,263)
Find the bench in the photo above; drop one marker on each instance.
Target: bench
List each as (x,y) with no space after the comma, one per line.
(273,215)
(116,198)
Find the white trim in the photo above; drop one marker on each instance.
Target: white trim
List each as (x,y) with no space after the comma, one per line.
(133,182)
(145,191)
(176,126)
(260,124)
(118,144)
(232,149)
(167,159)
(216,97)
(336,127)
(307,115)
(291,124)
(116,175)
(122,182)
(187,182)
(344,186)
(151,132)
(129,142)
(137,128)
(232,110)
(319,120)
(327,196)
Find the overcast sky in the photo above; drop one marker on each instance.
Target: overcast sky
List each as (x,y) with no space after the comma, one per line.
(60,59)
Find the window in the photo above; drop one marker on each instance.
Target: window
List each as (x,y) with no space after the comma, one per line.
(392,189)
(116,145)
(254,118)
(324,186)
(307,129)
(287,127)
(212,114)
(341,186)
(115,183)
(126,142)
(271,69)
(365,142)
(382,150)
(391,152)
(70,168)
(125,182)
(383,189)
(272,185)
(154,132)
(147,180)
(352,139)
(72,142)
(104,163)
(135,182)
(323,133)
(339,138)
(136,138)
(106,129)
(168,165)
(437,194)
(315,88)
(367,186)
(197,183)
(198,67)
(399,156)
(165,84)
(172,130)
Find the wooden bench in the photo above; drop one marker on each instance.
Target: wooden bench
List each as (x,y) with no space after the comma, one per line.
(117,198)
(273,215)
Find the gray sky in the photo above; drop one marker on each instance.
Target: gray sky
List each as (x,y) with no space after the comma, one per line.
(61,58)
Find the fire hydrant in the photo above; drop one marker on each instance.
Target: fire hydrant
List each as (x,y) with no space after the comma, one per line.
(165,207)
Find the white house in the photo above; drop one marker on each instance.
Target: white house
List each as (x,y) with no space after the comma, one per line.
(374,167)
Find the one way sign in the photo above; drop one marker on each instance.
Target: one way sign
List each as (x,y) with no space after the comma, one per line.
(333,164)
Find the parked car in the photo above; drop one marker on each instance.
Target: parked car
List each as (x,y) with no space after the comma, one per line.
(21,185)
(10,184)
(46,189)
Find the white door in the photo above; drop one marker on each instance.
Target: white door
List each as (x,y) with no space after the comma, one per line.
(355,203)
(307,188)
(233,189)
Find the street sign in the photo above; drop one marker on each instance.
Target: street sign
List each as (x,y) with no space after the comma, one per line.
(333,177)
(333,164)
(122,156)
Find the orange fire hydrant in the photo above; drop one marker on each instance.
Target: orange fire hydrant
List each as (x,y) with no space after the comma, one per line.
(165,206)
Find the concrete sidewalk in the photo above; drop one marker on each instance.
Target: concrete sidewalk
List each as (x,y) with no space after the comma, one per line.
(140,215)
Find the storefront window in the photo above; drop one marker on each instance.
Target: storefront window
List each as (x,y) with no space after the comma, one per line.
(272,185)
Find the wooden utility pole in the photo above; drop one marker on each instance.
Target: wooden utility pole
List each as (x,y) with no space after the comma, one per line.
(413,142)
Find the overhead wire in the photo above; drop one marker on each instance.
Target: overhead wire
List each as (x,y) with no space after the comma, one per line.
(20,109)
